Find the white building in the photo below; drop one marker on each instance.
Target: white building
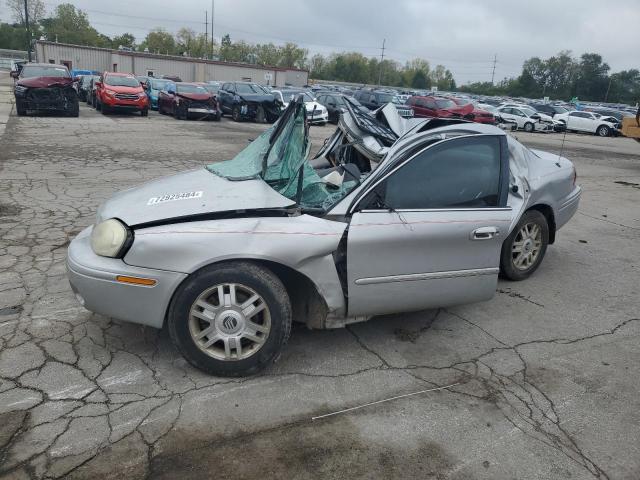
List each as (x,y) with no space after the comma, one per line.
(79,57)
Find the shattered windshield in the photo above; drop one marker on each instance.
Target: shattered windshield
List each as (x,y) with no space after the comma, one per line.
(279,157)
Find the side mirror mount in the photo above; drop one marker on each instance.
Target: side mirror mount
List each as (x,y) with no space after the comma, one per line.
(98,84)
(14,74)
(535,116)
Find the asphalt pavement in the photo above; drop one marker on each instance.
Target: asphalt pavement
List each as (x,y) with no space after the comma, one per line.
(545,374)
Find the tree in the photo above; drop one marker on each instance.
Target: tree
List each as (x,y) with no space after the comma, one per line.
(419,80)
(292,56)
(70,25)
(442,78)
(13,37)
(124,40)
(35,7)
(592,79)
(159,41)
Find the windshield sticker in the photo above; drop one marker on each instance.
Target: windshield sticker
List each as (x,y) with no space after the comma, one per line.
(174,196)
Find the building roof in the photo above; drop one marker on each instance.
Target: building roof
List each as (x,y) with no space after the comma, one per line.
(176,57)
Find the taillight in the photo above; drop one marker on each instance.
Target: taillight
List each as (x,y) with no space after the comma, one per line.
(575,176)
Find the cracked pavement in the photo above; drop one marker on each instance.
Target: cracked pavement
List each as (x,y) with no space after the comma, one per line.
(547,371)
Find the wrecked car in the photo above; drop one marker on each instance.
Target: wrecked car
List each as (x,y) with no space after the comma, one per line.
(45,87)
(249,101)
(391,215)
(187,100)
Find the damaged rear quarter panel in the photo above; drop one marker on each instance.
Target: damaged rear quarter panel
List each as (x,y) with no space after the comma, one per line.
(303,243)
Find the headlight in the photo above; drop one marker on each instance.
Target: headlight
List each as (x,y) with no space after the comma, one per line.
(109,92)
(109,238)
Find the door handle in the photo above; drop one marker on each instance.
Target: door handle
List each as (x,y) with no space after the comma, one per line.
(485,233)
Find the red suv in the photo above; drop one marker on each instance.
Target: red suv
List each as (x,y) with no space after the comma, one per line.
(120,91)
(476,114)
(437,107)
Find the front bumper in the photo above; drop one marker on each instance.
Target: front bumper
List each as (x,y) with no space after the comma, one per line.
(202,111)
(93,280)
(542,127)
(319,117)
(113,102)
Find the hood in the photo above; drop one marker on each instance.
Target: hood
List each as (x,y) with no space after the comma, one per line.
(195,192)
(257,97)
(45,82)
(199,97)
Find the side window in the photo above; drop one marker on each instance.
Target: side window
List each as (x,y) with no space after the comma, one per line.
(517,112)
(575,114)
(458,173)
(429,104)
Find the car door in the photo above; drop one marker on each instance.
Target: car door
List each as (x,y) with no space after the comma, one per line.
(428,232)
(429,107)
(225,97)
(574,121)
(507,114)
(590,122)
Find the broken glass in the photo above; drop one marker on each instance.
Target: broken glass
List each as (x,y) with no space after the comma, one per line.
(279,157)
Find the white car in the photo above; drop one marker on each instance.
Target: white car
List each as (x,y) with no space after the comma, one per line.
(589,122)
(528,119)
(316,112)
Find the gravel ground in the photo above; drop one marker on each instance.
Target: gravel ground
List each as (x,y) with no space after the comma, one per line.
(547,372)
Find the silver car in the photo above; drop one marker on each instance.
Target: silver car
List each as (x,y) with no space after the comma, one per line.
(392,215)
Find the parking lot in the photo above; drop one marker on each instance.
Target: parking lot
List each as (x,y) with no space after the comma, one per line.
(545,375)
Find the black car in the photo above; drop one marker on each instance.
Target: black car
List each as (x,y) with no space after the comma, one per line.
(334,103)
(373,99)
(249,101)
(84,87)
(548,109)
(45,87)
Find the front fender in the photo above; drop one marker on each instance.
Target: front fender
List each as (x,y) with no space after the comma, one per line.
(302,243)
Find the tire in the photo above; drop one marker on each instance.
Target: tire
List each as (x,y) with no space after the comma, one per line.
(20,109)
(235,114)
(260,115)
(105,109)
(528,127)
(217,116)
(513,264)
(74,111)
(98,106)
(186,319)
(144,112)
(161,110)
(603,131)
(179,113)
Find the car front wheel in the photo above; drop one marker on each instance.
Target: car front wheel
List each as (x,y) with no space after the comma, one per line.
(230,319)
(524,248)
(528,127)
(603,131)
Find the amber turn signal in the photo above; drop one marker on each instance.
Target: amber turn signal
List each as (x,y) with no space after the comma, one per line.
(148,282)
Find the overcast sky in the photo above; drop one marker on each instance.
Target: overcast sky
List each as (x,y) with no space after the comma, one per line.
(463,35)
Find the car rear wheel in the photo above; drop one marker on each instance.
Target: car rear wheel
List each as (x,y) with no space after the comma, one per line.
(524,248)
(528,127)
(230,319)
(603,131)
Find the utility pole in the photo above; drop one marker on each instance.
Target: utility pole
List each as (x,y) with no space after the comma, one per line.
(606,95)
(206,32)
(212,13)
(493,73)
(26,23)
(381,60)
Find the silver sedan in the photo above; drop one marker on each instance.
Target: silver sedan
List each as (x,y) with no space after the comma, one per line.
(392,215)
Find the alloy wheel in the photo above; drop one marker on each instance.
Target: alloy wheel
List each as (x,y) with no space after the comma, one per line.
(526,246)
(229,322)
